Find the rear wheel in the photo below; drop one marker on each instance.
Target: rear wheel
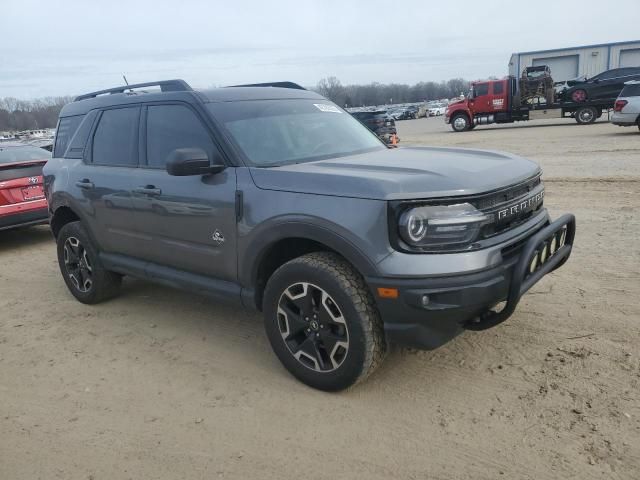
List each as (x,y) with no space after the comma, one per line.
(322,322)
(460,122)
(81,268)
(586,115)
(579,95)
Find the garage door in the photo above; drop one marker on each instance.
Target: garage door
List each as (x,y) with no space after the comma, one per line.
(630,58)
(562,68)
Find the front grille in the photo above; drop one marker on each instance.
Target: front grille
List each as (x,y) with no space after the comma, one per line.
(490,200)
(493,202)
(496,228)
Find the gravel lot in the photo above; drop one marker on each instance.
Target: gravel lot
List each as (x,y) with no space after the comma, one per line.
(160,384)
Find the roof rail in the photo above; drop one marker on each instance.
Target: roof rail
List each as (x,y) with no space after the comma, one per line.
(273,84)
(165,86)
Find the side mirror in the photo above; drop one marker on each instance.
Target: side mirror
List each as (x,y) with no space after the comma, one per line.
(192,161)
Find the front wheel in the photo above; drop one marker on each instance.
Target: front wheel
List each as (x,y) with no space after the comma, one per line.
(81,268)
(586,115)
(460,123)
(322,322)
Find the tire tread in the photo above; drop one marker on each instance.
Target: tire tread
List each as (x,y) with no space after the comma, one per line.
(363,302)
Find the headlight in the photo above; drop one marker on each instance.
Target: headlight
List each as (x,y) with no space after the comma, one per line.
(441,226)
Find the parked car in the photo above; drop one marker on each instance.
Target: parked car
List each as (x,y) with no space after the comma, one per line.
(22,200)
(626,111)
(343,243)
(423,110)
(436,111)
(396,114)
(411,112)
(383,125)
(606,85)
(404,113)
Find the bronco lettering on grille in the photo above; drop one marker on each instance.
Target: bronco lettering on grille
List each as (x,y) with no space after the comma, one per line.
(526,205)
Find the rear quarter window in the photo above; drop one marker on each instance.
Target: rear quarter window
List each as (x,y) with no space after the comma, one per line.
(67,127)
(630,91)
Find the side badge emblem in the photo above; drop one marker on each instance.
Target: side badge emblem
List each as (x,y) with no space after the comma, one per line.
(217,237)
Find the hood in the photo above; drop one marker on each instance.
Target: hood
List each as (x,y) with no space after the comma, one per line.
(461,100)
(401,174)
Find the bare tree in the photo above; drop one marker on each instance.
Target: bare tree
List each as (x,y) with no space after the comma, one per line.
(332,89)
(380,94)
(30,114)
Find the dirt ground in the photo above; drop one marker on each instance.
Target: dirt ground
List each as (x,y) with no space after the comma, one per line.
(160,384)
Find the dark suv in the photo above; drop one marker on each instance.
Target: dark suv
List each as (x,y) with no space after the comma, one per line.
(277,199)
(606,85)
(379,123)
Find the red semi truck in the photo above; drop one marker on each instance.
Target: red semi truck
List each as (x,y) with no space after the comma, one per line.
(499,101)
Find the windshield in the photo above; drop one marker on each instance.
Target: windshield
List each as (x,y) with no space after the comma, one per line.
(279,132)
(22,154)
(536,74)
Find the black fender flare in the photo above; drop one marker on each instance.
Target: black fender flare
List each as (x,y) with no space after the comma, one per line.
(266,236)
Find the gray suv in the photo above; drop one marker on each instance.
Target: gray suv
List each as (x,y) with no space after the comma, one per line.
(272,197)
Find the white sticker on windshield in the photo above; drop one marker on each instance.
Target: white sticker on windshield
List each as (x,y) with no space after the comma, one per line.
(323,107)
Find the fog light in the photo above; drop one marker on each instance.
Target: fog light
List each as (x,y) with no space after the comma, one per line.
(544,254)
(563,237)
(554,245)
(534,263)
(425,300)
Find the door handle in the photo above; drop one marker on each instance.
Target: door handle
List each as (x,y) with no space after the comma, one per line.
(85,183)
(150,190)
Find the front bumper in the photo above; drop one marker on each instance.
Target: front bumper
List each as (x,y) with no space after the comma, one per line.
(465,301)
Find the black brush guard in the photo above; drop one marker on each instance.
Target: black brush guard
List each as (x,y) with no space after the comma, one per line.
(521,279)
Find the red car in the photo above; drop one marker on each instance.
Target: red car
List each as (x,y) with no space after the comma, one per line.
(22,201)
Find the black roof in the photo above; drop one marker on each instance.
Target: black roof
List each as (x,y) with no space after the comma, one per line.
(180,90)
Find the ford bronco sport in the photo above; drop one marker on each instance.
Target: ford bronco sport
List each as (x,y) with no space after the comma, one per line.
(273,197)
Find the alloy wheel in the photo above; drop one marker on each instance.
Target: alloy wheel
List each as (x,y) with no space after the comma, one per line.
(313,327)
(460,123)
(77,264)
(586,115)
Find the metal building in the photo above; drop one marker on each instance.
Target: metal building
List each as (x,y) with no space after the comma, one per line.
(589,60)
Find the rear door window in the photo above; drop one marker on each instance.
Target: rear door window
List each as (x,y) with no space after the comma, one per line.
(67,127)
(115,141)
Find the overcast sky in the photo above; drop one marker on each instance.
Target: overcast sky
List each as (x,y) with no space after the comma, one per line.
(74,46)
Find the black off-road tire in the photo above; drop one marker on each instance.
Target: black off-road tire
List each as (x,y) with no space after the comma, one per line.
(104,283)
(586,115)
(334,276)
